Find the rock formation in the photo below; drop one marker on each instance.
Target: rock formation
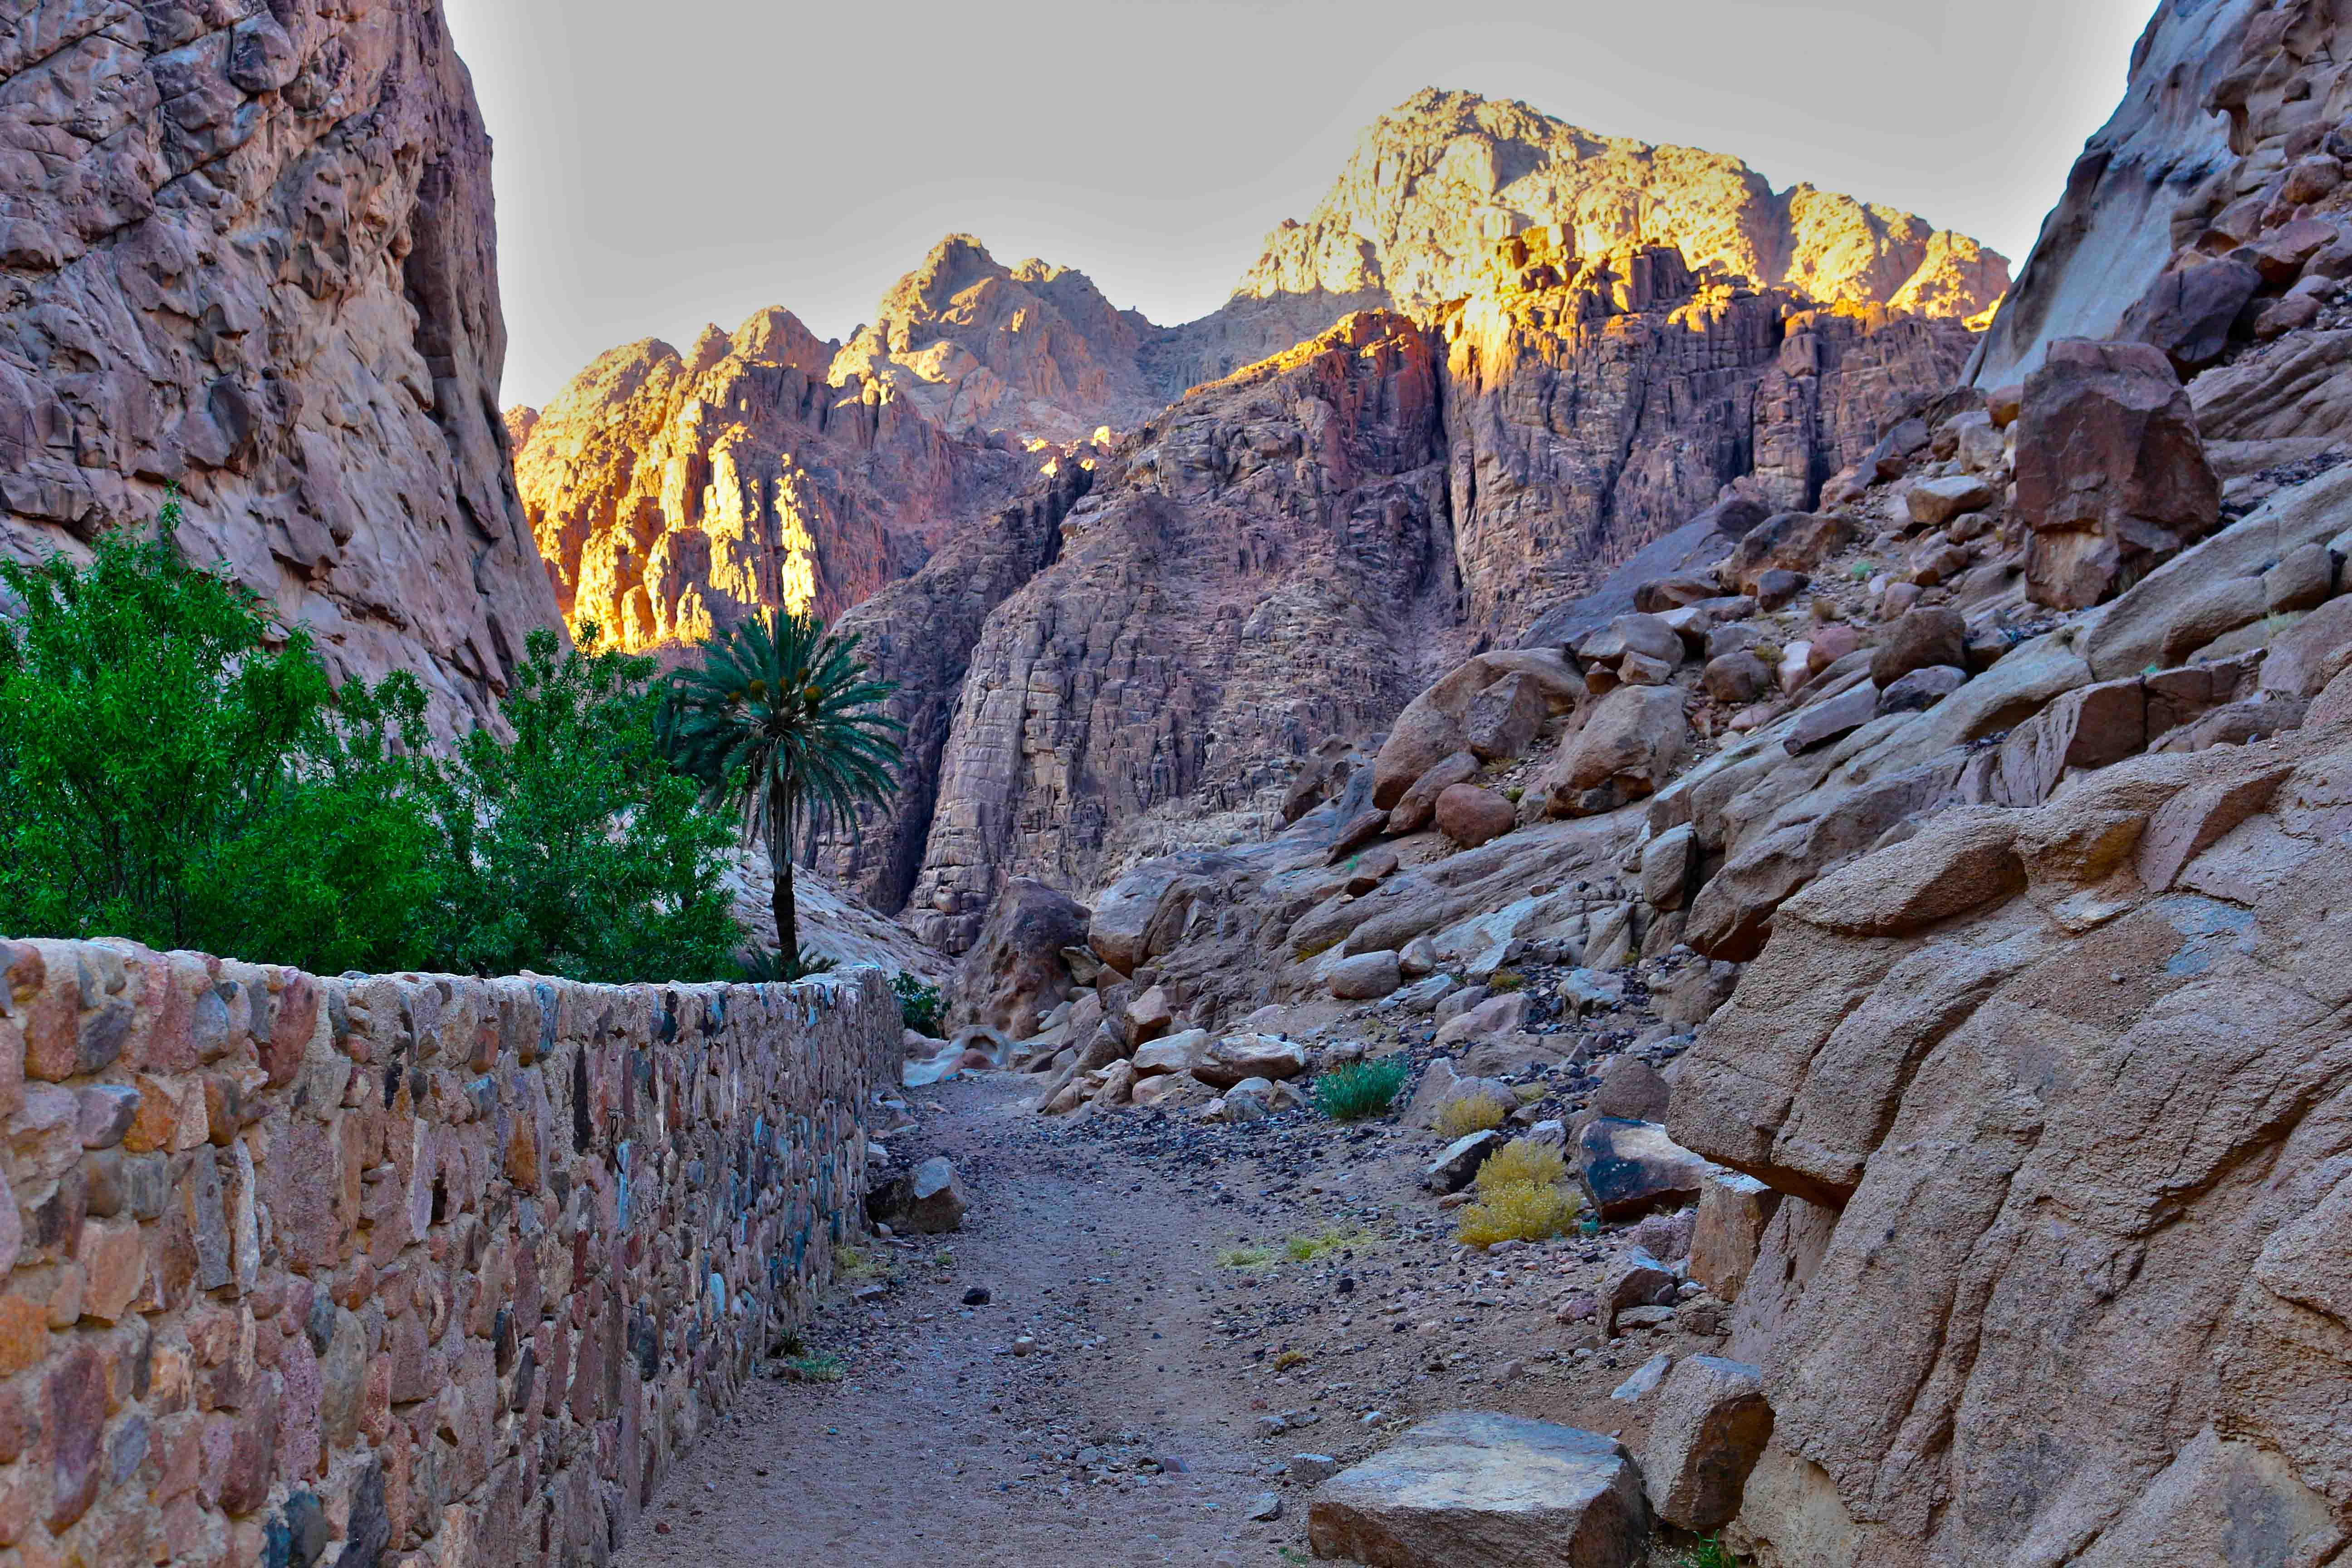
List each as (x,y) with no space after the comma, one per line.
(673,495)
(1436,182)
(1260,567)
(248,251)
(1034,350)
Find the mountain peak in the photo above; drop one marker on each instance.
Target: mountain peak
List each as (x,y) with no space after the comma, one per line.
(1435,182)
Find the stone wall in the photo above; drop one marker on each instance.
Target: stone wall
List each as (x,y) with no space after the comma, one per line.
(397,1268)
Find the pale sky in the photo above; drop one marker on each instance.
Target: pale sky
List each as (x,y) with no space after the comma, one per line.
(661,167)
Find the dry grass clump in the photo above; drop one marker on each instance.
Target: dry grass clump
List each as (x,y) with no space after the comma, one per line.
(1473,1113)
(1520,1211)
(1523,1163)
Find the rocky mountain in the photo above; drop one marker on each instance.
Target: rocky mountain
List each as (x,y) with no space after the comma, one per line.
(1280,559)
(673,492)
(249,252)
(1437,181)
(1034,351)
(672,495)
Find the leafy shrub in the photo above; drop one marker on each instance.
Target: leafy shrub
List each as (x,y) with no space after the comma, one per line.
(1523,1162)
(1360,1089)
(1516,1211)
(1507,980)
(918,1005)
(177,768)
(1707,1552)
(1471,1113)
(759,966)
(173,769)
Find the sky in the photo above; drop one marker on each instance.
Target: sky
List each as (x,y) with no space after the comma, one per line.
(659,167)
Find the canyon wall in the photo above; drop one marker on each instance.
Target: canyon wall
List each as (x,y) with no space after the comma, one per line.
(397,1264)
(248,251)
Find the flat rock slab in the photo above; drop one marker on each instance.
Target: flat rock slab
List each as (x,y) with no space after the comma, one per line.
(1474,1489)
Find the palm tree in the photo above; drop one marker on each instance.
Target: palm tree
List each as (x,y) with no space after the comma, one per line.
(782,726)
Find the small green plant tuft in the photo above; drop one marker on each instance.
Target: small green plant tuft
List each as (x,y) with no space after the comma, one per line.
(1360,1089)
(1520,1211)
(1308,1249)
(850,1263)
(1507,980)
(815,1369)
(918,1005)
(789,1344)
(1707,1552)
(1245,1257)
(1473,1113)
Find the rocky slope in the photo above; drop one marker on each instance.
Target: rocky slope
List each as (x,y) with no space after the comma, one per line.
(1437,181)
(248,251)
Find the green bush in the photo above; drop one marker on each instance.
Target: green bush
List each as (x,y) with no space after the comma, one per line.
(918,1005)
(173,769)
(1360,1089)
(177,768)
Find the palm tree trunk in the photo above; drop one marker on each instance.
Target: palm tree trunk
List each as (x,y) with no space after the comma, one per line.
(780,862)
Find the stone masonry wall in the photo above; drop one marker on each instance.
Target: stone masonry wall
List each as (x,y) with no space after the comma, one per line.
(396,1270)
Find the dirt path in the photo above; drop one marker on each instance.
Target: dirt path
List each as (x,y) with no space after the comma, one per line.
(941,1446)
(1184,1286)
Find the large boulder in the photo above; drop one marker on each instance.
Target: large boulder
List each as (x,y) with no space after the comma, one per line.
(1922,638)
(2112,477)
(1471,815)
(1631,744)
(1795,541)
(1437,722)
(1014,972)
(1632,1167)
(1239,1056)
(1708,1432)
(1419,803)
(2188,314)
(1474,1489)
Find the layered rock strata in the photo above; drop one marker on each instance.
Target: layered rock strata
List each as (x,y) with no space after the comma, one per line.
(248,252)
(378,1267)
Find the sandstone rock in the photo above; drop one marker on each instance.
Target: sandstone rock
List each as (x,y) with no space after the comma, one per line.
(1177,1053)
(1630,745)
(1920,639)
(1829,644)
(1366,975)
(1651,1372)
(1015,972)
(1638,1279)
(1777,587)
(1414,808)
(1706,1436)
(1357,834)
(1631,1167)
(1959,861)
(2303,579)
(1736,678)
(2089,726)
(1921,690)
(2116,414)
(1148,1017)
(2188,313)
(929,1201)
(1171,1091)
(1501,1015)
(1239,1056)
(1629,1089)
(1504,718)
(1471,815)
(1934,502)
(1473,1489)
(1458,1164)
(1832,718)
(1733,1211)
(1670,867)
(1793,542)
